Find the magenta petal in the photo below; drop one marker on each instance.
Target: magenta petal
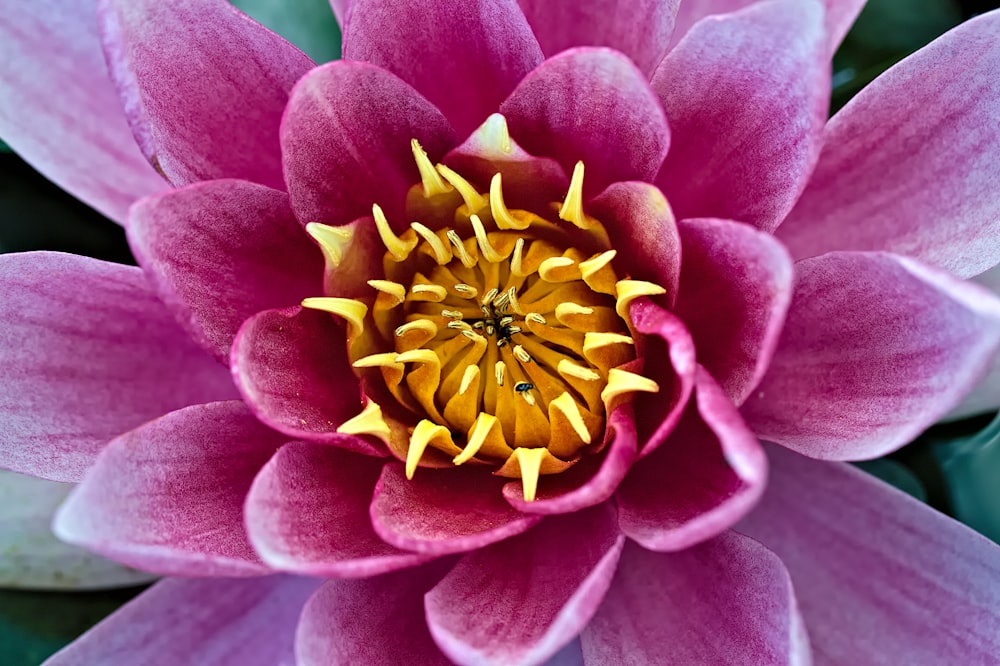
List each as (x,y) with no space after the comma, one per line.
(291,367)
(707,475)
(87,353)
(911,164)
(591,104)
(986,396)
(877,572)
(520,600)
(643,232)
(345,141)
(840,15)
(220,621)
(746,96)
(875,349)
(307,513)
(203,86)
(168,496)
(60,111)
(373,622)
(639,29)
(736,284)
(221,251)
(728,601)
(465,56)
(443,511)
(340,9)
(666,338)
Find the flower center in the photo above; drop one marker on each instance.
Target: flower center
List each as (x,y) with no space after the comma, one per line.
(501,331)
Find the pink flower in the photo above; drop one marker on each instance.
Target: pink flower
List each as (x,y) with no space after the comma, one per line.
(630,453)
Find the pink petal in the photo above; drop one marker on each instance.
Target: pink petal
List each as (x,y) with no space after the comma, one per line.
(746,95)
(291,367)
(340,8)
(840,15)
(373,622)
(345,141)
(168,496)
(736,285)
(590,481)
(911,164)
(443,511)
(307,513)
(465,56)
(520,600)
(591,104)
(87,353)
(643,232)
(986,396)
(727,601)
(641,30)
(664,337)
(707,475)
(875,349)
(33,558)
(219,621)
(221,251)
(880,577)
(203,86)
(60,111)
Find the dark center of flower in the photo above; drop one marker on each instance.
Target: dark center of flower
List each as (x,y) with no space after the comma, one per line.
(502,331)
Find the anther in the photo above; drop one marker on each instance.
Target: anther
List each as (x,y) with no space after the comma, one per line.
(458,325)
(397,247)
(490,295)
(522,356)
(451,314)
(485,247)
(472,335)
(536,318)
(499,370)
(474,201)
(506,321)
(517,258)
(514,303)
(431,179)
(467,290)
(440,250)
(463,254)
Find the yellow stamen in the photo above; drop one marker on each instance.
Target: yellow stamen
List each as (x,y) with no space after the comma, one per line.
(621,382)
(351,310)
(517,259)
(394,289)
(501,214)
(429,177)
(397,247)
(369,422)
(470,375)
(474,201)
(425,326)
(423,434)
(553,269)
(463,254)
(441,253)
(429,292)
(531,467)
(594,264)
(522,356)
(568,367)
(466,290)
(332,241)
(387,360)
(477,436)
(629,290)
(500,369)
(418,356)
(485,247)
(572,208)
(566,405)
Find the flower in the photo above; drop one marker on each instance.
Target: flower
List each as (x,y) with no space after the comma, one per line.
(670,177)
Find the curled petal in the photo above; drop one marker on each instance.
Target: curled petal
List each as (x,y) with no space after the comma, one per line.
(875,349)
(203,87)
(910,165)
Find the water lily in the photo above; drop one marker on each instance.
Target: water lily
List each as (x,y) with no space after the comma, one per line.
(510,297)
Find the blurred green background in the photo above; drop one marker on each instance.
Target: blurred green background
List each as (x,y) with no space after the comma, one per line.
(953,467)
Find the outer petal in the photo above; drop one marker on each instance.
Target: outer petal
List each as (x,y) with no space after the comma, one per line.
(639,219)
(465,56)
(203,86)
(168,496)
(345,141)
(728,601)
(221,251)
(881,578)
(736,284)
(444,511)
(911,163)
(292,368)
(376,622)
(220,621)
(60,111)
(307,513)
(876,348)
(87,353)
(746,95)
(33,557)
(591,104)
(707,475)
(519,601)
(840,15)
(986,396)
(641,30)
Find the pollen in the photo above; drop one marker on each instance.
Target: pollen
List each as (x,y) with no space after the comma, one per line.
(500,335)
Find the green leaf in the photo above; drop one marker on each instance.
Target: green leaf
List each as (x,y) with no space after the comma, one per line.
(895,474)
(309,24)
(971,467)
